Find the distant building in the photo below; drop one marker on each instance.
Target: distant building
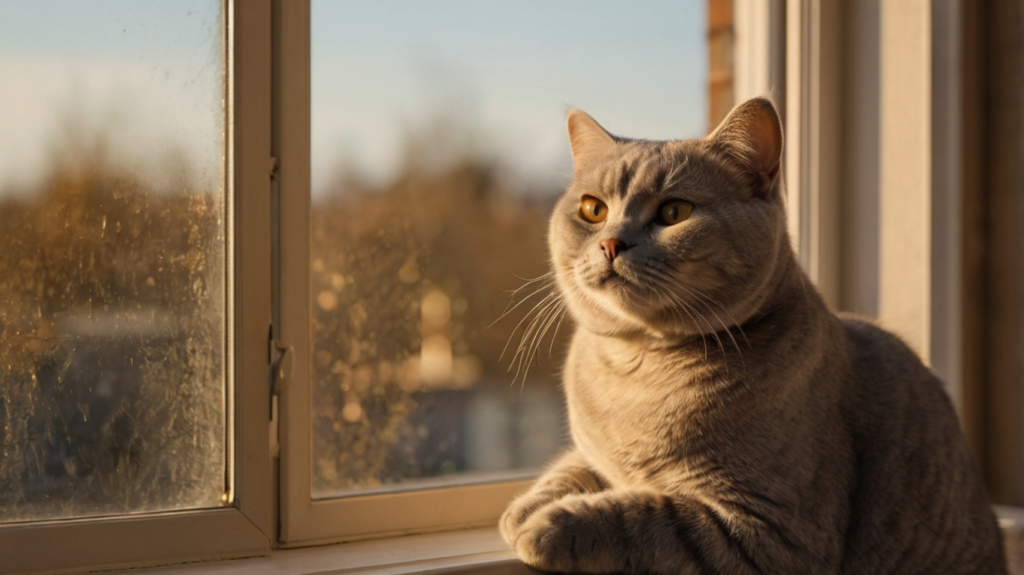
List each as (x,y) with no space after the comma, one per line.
(720,66)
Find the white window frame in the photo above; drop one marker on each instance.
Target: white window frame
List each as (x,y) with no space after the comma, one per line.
(248,526)
(874,167)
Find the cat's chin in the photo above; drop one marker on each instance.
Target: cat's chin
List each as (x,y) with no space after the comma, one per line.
(615,303)
(617,311)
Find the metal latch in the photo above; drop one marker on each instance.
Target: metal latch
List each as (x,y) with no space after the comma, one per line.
(282,367)
(281,363)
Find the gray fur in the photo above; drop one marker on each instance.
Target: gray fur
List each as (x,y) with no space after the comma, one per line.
(724,420)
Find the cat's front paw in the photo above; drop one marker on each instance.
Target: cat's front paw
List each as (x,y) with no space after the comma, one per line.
(565,537)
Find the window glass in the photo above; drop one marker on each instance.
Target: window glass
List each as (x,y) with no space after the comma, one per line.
(112,258)
(438,149)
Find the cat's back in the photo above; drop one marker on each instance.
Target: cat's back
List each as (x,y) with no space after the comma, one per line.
(919,505)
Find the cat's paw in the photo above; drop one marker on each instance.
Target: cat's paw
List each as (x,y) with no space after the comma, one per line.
(511,520)
(563,537)
(518,512)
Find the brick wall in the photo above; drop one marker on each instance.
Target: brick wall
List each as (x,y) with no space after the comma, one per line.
(720,46)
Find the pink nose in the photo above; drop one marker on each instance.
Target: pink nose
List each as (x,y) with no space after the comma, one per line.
(612,247)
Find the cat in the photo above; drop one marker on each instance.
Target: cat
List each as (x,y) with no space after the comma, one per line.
(723,419)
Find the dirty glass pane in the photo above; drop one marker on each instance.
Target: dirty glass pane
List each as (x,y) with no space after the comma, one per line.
(439,147)
(112,257)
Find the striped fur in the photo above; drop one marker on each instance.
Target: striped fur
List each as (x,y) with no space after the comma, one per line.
(724,420)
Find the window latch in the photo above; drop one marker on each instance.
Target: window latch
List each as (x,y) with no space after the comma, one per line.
(282,367)
(282,359)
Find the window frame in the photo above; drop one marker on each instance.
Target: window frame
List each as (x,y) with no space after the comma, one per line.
(305,520)
(248,525)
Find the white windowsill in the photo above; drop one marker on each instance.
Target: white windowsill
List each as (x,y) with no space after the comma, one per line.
(468,551)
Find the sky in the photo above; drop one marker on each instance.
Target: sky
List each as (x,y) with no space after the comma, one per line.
(498,76)
(148,74)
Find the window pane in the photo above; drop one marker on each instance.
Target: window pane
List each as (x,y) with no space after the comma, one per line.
(438,150)
(112,258)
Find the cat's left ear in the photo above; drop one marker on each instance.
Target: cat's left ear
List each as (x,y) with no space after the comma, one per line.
(752,133)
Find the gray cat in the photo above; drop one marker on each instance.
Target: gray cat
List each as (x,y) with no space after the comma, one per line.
(724,420)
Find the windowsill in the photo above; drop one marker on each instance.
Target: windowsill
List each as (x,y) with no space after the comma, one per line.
(468,551)
(453,552)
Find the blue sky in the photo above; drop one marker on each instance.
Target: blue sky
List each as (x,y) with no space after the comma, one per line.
(148,74)
(508,71)
(504,72)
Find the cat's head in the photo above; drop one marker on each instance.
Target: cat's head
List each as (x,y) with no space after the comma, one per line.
(670,239)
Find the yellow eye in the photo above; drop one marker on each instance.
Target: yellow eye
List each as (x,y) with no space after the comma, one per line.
(674,211)
(593,210)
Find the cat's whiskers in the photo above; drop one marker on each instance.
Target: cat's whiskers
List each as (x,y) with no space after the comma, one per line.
(538,321)
(723,328)
(526,344)
(543,301)
(689,308)
(520,357)
(726,312)
(548,282)
(670,303)
(551,313)
(700,297)
(728,330)
(561,316)
(661,275)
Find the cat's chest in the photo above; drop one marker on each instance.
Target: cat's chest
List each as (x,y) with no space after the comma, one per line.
(630,412)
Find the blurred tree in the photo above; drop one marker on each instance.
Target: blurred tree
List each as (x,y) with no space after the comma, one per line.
(445,226)
(111,331)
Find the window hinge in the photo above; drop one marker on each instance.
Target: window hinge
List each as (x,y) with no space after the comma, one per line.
(275,166)
(282,365)
(281,360)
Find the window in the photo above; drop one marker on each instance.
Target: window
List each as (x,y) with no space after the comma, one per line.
(342,191)
(113,262)
(124,341)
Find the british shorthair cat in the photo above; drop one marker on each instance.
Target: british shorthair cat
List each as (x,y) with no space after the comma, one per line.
(723,419)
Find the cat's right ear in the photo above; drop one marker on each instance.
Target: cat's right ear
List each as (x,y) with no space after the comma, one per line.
(587,139)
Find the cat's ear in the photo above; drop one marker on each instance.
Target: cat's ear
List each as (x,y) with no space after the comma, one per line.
(752,133)
(587,139)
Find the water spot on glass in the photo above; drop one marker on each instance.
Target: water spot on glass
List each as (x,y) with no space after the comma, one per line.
(352,412)
(363,378)
(327,300)
(409,273)
(387,371)
(409,375)
(357,315)
(337,281)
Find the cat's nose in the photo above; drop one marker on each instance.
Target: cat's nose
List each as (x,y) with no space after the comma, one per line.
(612,247)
